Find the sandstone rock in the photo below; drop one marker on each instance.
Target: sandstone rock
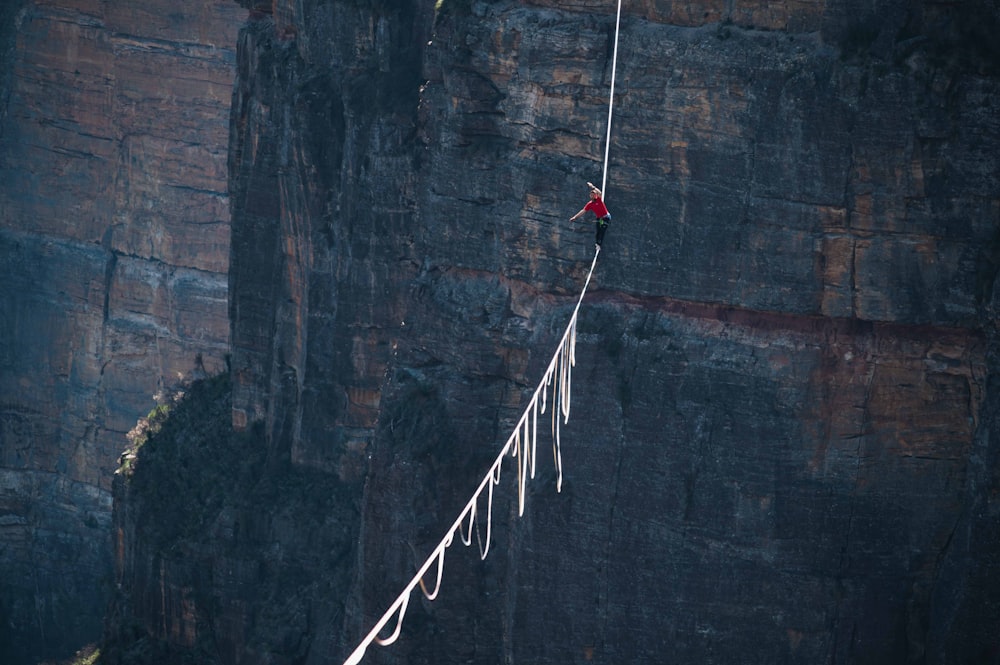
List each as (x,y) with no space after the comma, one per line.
(805,431)
(782,445)
(114,252)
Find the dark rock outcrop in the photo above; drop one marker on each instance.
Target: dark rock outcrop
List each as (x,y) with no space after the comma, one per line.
(783,445)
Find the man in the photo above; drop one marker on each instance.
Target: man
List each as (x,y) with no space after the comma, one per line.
(596,205)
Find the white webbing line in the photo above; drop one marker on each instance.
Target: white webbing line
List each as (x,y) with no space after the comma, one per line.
(522,442)
(611,99)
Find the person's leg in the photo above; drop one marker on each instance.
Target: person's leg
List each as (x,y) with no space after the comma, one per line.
(602,227)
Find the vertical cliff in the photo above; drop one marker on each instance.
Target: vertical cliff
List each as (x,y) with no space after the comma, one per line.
(114,252)
(783,443)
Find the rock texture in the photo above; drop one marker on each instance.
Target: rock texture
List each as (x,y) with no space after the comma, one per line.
(783,444)
(114,252)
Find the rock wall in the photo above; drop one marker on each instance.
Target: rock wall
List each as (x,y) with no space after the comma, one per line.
(114,253)
(783,440)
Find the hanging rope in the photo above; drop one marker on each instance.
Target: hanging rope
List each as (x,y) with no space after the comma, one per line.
(521,444)
(611,100)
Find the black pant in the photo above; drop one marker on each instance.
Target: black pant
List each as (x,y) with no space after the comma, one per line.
(602,228)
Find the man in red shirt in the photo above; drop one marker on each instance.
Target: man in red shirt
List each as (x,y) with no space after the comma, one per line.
(596,205)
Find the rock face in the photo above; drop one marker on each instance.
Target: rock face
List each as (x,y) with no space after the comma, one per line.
(114,253)
(783,445)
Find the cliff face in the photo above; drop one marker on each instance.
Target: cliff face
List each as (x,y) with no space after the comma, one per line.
(114,252)
(783,442)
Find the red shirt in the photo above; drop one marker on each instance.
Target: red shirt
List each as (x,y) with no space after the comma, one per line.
(597,207)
